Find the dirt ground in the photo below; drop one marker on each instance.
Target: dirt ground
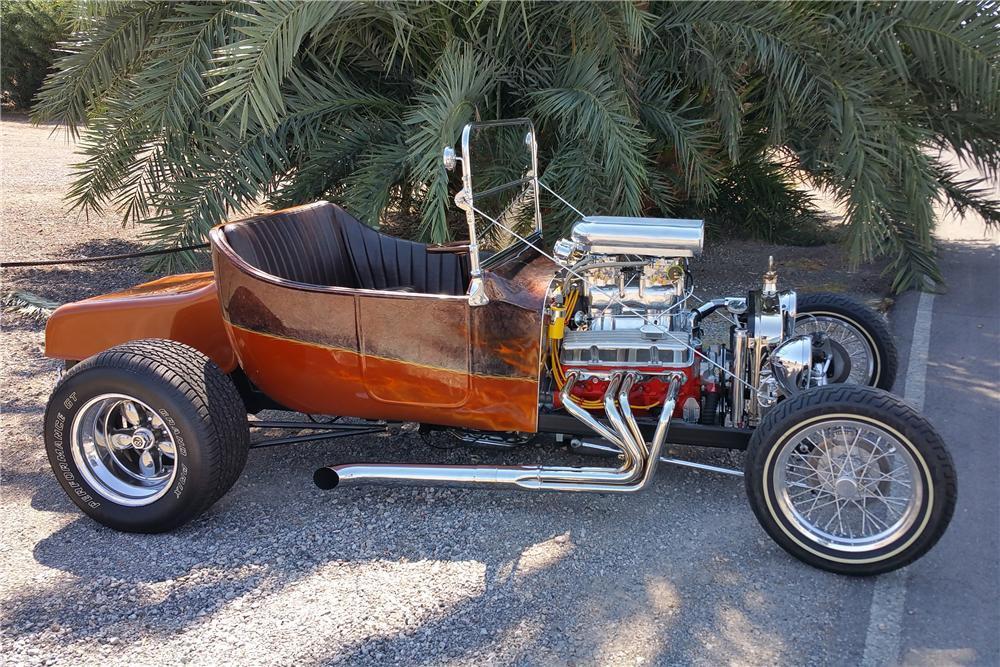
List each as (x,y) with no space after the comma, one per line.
(73,590)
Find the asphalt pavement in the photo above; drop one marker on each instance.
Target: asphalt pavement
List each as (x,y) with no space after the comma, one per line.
(952,608)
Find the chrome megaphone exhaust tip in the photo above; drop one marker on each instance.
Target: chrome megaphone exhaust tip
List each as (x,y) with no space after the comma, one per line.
(326,478)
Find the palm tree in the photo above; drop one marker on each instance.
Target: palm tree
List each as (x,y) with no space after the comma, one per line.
(190,112)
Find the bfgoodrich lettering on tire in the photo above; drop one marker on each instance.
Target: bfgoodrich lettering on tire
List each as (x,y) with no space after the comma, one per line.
(850,479)
(147,435)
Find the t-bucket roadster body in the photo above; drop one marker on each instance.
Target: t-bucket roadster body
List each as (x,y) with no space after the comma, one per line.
(495,340)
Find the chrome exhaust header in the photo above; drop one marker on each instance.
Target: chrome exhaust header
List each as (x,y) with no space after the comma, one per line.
(634,474)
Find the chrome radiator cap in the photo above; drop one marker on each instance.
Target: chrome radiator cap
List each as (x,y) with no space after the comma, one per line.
(656,237)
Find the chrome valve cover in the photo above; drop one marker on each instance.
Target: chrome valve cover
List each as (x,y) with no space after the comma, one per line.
(624,348)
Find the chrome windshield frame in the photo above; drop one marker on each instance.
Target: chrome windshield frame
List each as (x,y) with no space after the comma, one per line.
(465,199)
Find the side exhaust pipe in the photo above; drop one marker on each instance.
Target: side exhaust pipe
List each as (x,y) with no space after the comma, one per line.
(635,473)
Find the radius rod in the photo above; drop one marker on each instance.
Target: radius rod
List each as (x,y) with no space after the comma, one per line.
(637,467)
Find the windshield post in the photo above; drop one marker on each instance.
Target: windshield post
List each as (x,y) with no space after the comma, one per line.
(477,290)
(465,199)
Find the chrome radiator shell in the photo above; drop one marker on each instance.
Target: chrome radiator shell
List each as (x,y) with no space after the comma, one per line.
(651,237)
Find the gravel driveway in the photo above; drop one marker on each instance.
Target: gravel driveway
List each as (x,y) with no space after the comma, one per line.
(282,573)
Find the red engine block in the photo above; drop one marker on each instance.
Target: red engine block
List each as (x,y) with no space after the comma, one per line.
(650,392)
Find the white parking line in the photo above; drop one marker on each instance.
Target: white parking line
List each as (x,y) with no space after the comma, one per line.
(885,620)
(916,369)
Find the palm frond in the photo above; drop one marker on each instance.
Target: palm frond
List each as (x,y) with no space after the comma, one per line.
(250,72)
(30,305)
(445,100)
(585,104)
(191,111)
(98,59)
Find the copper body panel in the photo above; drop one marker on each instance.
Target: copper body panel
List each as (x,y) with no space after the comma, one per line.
(184,308)
(390,355)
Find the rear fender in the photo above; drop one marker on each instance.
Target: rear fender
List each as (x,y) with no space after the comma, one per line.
(184,308)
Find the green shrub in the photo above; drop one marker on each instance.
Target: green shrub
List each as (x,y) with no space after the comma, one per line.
(29,32)
(760,199)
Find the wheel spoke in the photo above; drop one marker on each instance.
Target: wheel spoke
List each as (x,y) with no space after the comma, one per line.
(131,413)
(850,449)
(815,507)
(831,494)
(887,477)
(811,481)
(850,343)
(146,465)
(807,490)
(101,438)
(835,515)
(167,448)
(870,516)
(806,463)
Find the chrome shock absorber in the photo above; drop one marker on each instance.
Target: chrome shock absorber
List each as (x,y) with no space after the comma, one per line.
(737,392)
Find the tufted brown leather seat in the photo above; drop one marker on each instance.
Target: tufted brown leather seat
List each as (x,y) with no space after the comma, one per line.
(322,244)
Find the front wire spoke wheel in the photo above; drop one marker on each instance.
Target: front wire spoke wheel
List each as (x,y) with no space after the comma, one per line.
(862,348)
(123,450)
(846,506)
(854,354)
(850,479)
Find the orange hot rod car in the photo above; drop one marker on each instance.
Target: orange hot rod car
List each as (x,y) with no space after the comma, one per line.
(597,342)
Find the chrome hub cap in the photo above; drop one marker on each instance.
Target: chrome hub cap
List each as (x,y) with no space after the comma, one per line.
(846,488)
(847,484)
(855,356)
(142,439)
(123,449)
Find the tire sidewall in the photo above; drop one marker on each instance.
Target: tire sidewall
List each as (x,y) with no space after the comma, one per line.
(801,540)
(192,480)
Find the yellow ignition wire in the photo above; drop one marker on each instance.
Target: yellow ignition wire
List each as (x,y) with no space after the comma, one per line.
(556,332)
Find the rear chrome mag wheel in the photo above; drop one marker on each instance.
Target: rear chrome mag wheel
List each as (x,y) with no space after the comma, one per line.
(123,449)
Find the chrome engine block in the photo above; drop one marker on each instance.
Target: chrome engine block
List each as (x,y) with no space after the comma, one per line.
(633,293)
(626,289)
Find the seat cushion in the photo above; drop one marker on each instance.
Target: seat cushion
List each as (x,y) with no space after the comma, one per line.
(322,244)
(384,262)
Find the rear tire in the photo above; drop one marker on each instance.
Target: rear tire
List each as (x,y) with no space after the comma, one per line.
(828,457)
(145,436)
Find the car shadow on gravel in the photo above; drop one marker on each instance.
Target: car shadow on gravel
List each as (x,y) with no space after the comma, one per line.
(45,493)
(562,575)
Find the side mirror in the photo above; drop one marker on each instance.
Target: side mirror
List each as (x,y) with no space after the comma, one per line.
(449,157)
